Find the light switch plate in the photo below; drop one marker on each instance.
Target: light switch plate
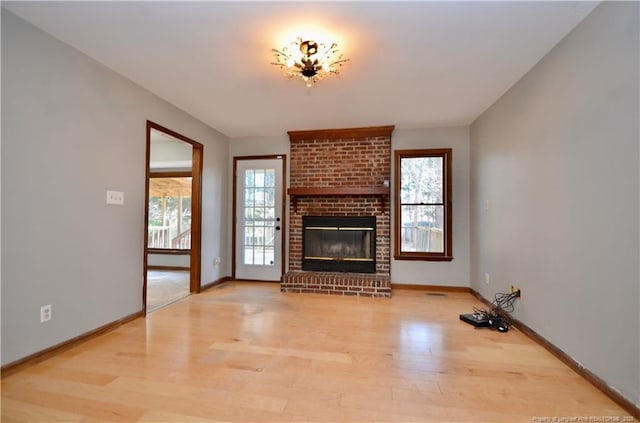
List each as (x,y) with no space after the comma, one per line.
(115,197)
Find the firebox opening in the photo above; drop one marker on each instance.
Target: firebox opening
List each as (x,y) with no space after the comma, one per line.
(339,243)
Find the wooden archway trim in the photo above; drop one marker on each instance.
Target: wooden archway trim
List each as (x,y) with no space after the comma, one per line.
(196,207)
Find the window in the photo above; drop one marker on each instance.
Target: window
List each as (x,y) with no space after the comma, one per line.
(423,205)
(259,216)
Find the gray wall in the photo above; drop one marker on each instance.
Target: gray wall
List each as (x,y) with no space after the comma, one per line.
(556,162)
(454,273)
(449,273)
(72,129)
(177,260)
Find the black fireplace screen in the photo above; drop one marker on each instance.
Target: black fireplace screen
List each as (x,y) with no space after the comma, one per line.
(339,243)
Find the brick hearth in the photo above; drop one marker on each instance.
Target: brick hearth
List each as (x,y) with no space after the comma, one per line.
(340,173)
(360,284)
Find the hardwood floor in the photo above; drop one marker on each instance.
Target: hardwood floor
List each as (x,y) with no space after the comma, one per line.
(246,352)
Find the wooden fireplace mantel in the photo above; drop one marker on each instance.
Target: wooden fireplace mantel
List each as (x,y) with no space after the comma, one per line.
(375,191)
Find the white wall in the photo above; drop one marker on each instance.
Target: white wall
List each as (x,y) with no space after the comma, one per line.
(72,129)
(557,160)
(455,272)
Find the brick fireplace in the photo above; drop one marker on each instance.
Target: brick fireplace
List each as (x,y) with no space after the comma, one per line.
(340,173)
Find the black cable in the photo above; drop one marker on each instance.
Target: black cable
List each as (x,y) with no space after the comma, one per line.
(502,305)
(505,302)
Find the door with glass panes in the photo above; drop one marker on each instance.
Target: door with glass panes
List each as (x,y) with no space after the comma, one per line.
(259,219)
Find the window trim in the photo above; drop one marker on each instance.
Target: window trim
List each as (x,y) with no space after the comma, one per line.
(447,255)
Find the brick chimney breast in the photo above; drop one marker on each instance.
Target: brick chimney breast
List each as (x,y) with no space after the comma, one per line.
(346,170)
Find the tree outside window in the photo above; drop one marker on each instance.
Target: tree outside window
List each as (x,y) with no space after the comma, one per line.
(423,204)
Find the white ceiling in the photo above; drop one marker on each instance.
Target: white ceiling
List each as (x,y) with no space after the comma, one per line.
(413,64)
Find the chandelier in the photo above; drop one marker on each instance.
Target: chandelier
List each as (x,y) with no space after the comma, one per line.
(308,60)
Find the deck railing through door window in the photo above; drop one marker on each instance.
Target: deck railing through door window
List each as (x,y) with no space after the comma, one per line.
(158,237)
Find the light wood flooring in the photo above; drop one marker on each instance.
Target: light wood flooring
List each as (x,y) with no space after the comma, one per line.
(244,352)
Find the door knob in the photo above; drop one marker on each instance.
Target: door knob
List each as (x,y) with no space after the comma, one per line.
(277,228)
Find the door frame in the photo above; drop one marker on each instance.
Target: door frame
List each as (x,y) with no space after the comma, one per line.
(283,232)
(196,210)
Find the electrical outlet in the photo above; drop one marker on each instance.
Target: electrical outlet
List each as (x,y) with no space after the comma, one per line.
(216,262)
(45,313)
(115,197)
(487,278)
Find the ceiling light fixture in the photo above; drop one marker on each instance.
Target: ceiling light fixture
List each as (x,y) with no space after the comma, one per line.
(308,60)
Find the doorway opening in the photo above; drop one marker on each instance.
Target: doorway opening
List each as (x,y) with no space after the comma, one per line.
(172,217)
